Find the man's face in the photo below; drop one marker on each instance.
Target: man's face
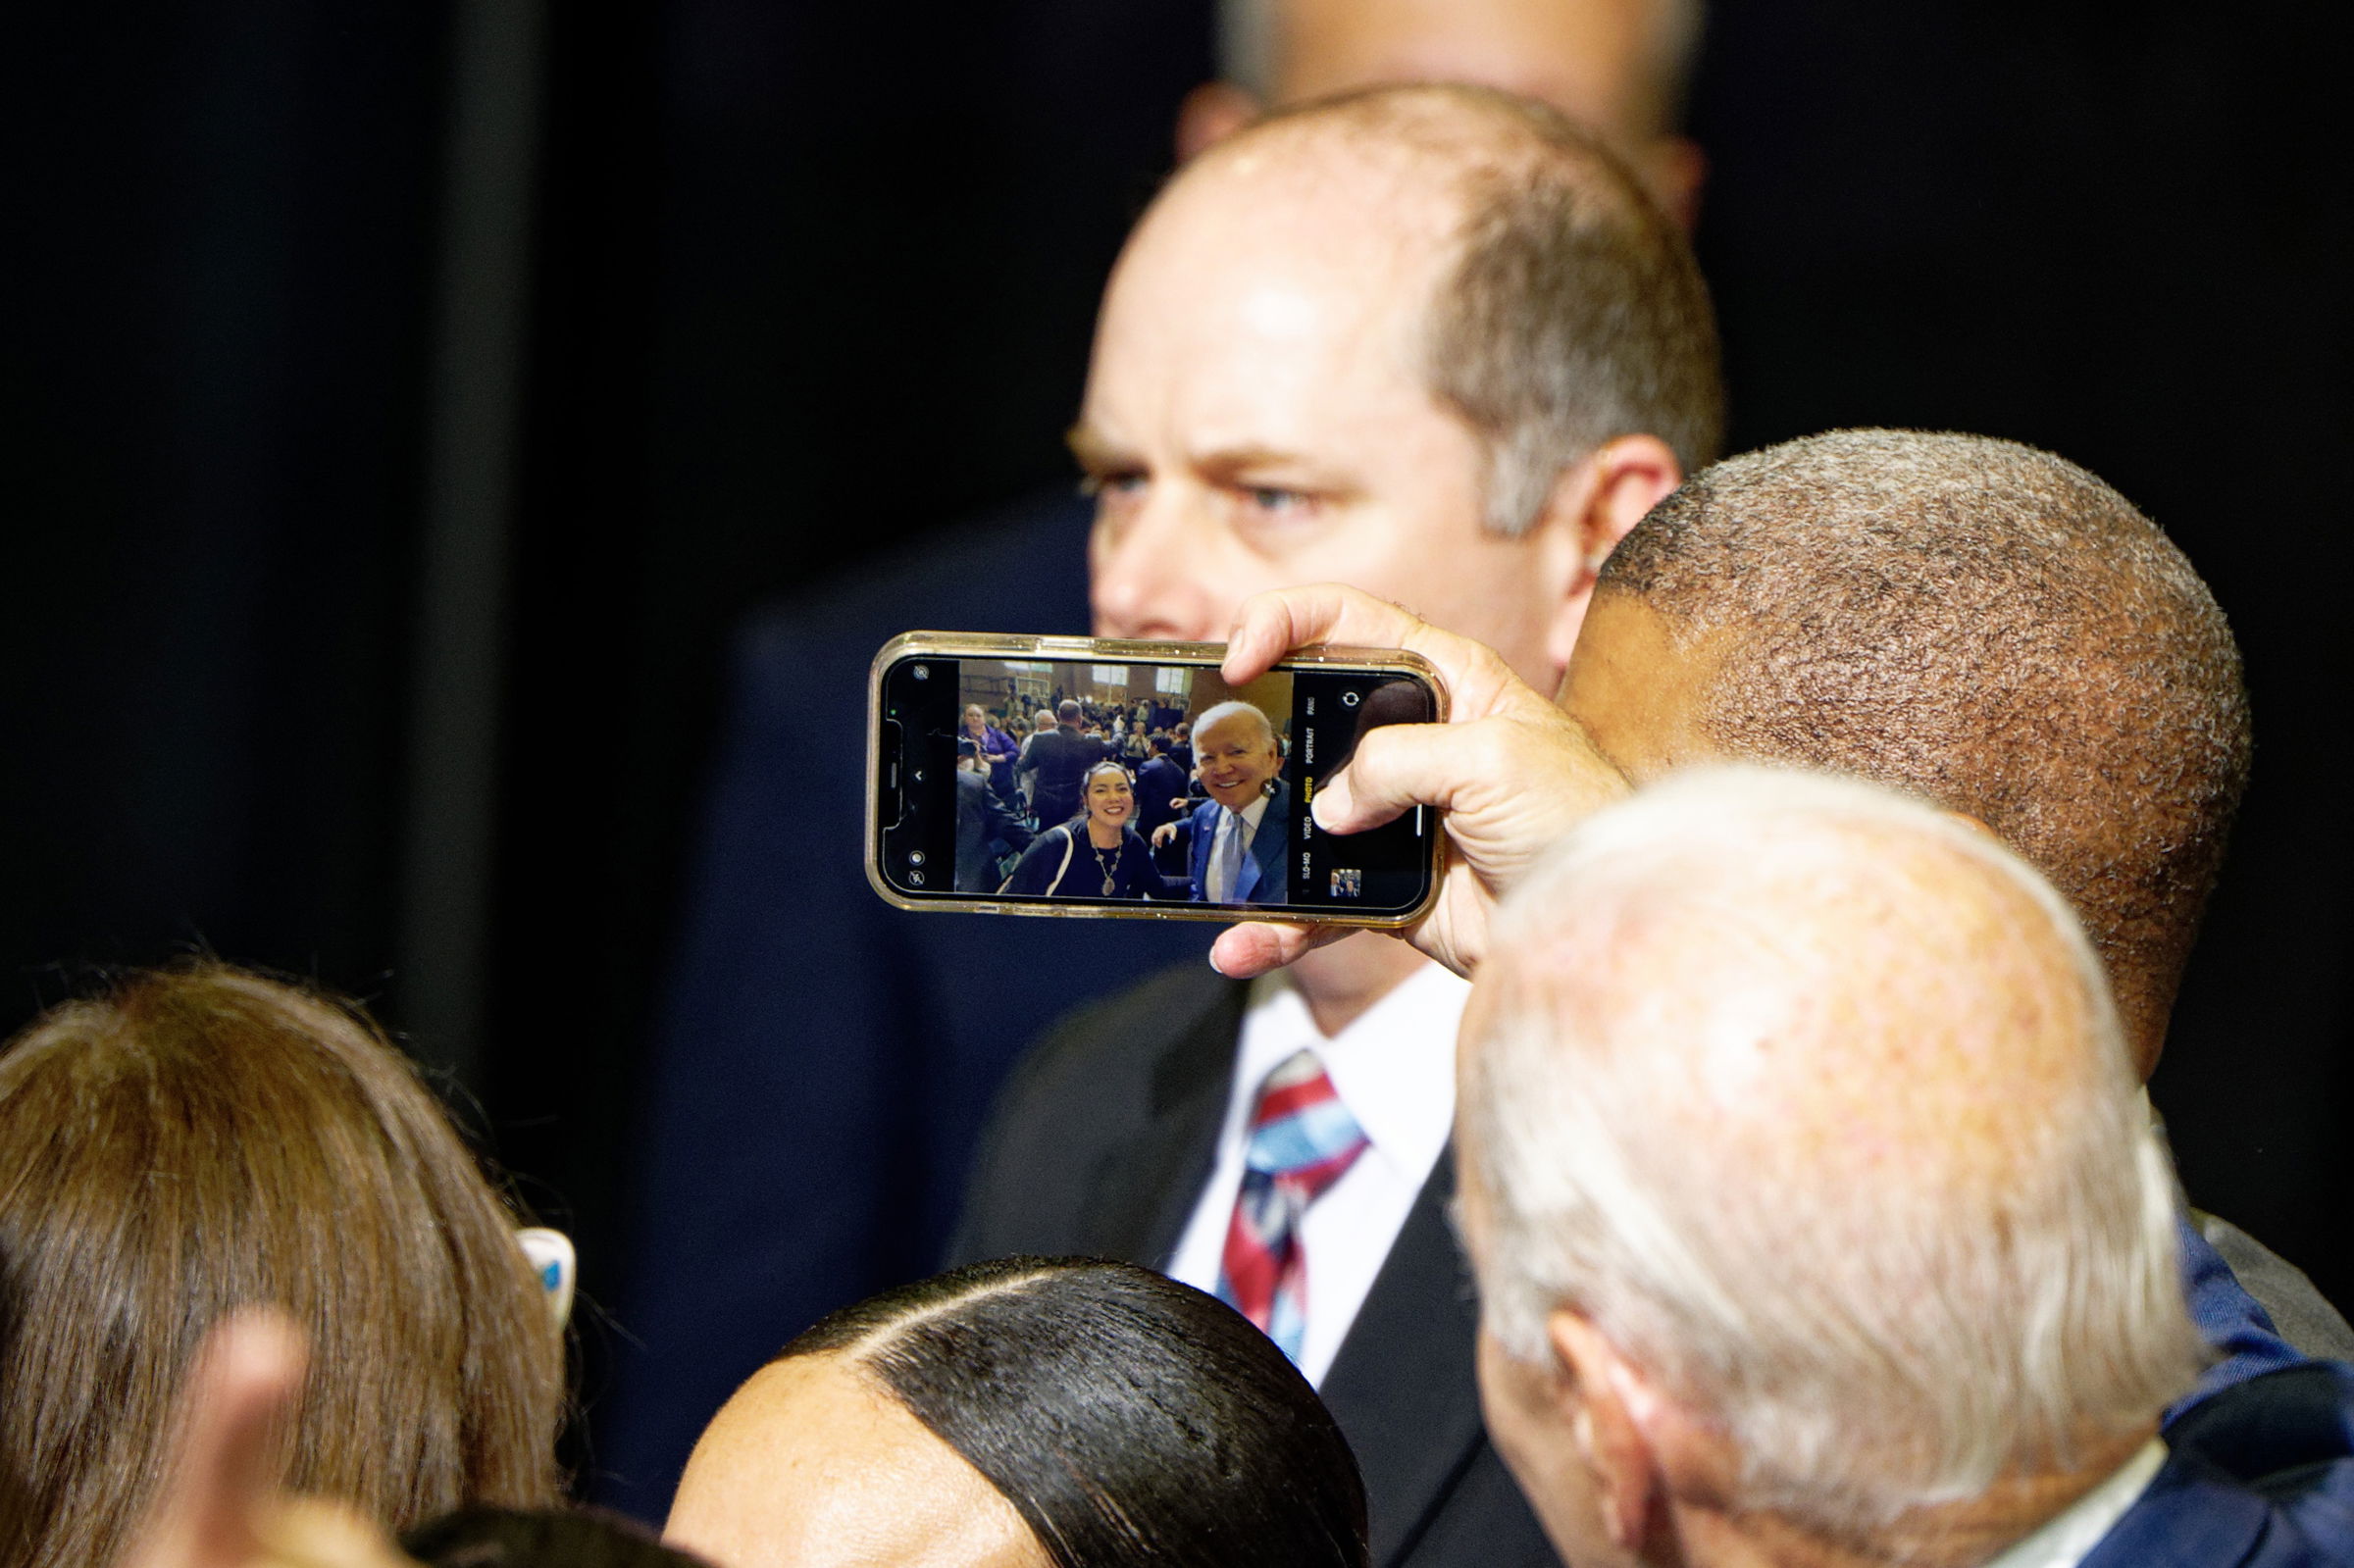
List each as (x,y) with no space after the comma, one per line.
(1639,690)
(1255,416)
(1236,761)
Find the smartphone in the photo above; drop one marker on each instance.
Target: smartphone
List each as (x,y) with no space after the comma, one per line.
(1126,780)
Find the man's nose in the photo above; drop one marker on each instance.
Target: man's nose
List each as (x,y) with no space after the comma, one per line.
(1145,573)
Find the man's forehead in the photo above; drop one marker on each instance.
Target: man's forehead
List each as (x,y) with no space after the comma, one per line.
(1236,727)
(1284,225)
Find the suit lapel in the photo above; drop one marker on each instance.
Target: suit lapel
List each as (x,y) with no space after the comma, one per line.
(1204,834)
(1269,845)
(1414,1432)
(1140,1207)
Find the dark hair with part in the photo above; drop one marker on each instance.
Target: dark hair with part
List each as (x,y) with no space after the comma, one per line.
(1087,777)
(1573,311)
(201,1139)
(1125,1416)
(1989,627)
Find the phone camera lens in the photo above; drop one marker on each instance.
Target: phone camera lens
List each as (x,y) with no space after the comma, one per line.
(915,878)
(915,857)
(922,672)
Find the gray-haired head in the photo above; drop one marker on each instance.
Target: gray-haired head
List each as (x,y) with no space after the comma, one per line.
(1986,625)
(1222,713)
(1810,1099)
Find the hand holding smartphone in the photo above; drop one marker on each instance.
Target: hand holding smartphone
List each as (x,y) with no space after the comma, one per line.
(1112,779)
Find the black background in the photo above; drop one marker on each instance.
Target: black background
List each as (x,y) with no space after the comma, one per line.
(805,282)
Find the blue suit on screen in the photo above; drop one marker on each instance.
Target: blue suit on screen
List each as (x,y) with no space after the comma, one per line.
(1157,783)
(1264,876)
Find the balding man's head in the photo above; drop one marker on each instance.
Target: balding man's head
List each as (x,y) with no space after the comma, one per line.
(1430,341)
(1809,1102)
(1981,624)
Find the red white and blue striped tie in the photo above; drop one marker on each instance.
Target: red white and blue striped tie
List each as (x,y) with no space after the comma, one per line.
(1303,1139)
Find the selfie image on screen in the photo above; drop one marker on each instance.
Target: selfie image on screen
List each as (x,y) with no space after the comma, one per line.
(1136,783)
(1126,781)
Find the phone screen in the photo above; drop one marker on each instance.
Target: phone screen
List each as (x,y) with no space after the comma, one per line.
(1151,788)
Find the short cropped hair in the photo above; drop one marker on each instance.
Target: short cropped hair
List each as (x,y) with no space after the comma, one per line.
(1126,1417)
(201,1139)
(1810,1099)
(1987,626)
(1571,311)
(1233,708)
(1066,711)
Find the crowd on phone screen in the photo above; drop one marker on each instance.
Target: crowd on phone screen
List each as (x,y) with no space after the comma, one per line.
(1100,800)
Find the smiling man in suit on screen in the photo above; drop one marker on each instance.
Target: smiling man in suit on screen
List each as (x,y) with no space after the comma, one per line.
(1235,840)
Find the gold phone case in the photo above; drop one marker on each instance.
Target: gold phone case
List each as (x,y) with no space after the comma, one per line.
(1121,651)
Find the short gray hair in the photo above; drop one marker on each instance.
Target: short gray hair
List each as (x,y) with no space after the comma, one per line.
(1813,1100)
(1228,709)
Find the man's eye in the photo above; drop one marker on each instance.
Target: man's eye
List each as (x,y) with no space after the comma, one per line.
(1276,501)
(1112,483)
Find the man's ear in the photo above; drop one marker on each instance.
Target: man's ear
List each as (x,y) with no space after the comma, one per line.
(1594,505)
(1212,113)
(1616,1410)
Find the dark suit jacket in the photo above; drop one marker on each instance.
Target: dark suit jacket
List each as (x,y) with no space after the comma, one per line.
(1100,1145)
(2260,1476)
(1061,756)
(1157,783)
(1266,877)
(982,820)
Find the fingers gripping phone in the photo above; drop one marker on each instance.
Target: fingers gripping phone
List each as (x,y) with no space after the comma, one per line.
(1111,778)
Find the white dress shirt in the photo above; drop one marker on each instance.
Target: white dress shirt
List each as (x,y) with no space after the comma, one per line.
(1394,1068)
(1230,822)
(2064,1539)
